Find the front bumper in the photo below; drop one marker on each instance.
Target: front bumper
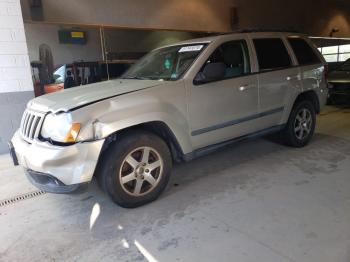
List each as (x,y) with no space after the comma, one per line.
(49,167)
(51,184)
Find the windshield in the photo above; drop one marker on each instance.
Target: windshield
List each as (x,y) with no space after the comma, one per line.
(168,63)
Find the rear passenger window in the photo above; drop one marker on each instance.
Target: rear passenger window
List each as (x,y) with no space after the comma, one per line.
(303,52)
(272,54)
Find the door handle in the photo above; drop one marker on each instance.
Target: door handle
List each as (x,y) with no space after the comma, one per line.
(296,77)
(245,87)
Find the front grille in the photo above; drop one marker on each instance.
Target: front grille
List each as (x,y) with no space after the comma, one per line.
(31,124)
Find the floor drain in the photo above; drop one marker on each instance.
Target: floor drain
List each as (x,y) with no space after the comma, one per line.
(18,198)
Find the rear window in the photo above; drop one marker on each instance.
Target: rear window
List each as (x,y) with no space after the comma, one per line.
(272,54)
(303,52)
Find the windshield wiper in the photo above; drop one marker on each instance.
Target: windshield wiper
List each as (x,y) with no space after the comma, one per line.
(135,77)
(146,78)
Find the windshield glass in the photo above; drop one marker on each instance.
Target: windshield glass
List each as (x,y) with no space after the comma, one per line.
(168,63)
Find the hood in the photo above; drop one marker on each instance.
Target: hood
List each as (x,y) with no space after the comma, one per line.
(79,96)
(339,76)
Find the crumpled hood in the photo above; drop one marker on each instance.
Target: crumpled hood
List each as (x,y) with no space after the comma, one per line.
(79,96)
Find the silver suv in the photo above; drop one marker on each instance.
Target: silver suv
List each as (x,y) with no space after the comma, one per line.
(176,103)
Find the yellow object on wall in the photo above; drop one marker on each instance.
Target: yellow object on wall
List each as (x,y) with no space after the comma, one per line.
(77,34)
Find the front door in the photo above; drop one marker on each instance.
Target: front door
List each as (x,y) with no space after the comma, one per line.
(225,108)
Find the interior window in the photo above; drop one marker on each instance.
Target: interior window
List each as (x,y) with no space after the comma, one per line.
(303,52)
(59,74)
(234,55)
(272,54)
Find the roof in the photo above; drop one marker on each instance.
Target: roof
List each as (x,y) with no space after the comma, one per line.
(212,38)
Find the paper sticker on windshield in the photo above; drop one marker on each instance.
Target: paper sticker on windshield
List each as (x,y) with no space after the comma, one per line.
(191,48)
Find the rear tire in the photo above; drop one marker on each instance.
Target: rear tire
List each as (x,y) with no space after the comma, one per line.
(135,169)
(301,124)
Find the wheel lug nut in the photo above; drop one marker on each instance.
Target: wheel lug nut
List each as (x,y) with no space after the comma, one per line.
(147,170)
(142,177)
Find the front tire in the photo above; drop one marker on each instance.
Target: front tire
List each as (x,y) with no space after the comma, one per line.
(136,169)
(301,124)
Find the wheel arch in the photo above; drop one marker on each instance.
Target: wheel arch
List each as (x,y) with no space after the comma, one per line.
(158,128)
(311,96)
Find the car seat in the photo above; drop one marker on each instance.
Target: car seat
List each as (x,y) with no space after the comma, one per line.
(234,61)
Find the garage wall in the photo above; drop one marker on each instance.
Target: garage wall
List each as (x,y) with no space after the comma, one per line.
(207,15)
(132,41)
(312,17)
(175,14)
(15,82)
(142,41)
(38,34)
(270,14)
(331,14)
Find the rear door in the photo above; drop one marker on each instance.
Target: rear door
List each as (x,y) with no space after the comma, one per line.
(278,78)
(311,66)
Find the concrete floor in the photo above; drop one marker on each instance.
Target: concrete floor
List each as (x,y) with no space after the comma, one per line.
(255,201)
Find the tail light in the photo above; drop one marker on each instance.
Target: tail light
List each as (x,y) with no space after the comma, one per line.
(326,71)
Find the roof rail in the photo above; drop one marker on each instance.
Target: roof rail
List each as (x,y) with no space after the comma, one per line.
(257,30)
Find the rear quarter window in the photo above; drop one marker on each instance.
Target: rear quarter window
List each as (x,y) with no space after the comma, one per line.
(271,53)
(303,51)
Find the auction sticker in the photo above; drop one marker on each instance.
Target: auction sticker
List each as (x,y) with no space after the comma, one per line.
(190,48)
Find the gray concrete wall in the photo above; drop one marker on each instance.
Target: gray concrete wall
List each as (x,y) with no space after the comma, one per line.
(12,105)
(16,86)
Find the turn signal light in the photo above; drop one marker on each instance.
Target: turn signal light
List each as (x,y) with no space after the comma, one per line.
(73,133)
(326,72)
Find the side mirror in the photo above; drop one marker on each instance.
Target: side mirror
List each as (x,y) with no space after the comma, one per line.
(211,72)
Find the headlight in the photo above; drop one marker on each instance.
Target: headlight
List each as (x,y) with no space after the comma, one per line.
(60,128)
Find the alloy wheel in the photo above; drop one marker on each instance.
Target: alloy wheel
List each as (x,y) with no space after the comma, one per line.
(141,171)
(303,123)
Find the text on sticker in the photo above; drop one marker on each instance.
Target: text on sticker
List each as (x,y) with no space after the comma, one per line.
(190,48)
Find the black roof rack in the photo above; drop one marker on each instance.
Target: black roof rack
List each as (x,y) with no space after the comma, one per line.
(258,30)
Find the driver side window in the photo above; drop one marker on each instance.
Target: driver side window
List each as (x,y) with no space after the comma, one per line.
(234,56)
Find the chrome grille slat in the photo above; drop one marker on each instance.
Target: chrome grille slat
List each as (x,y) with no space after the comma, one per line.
(22,121)
(25,123)
(30,121)
(34,128)
(31,127)
(31,124)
